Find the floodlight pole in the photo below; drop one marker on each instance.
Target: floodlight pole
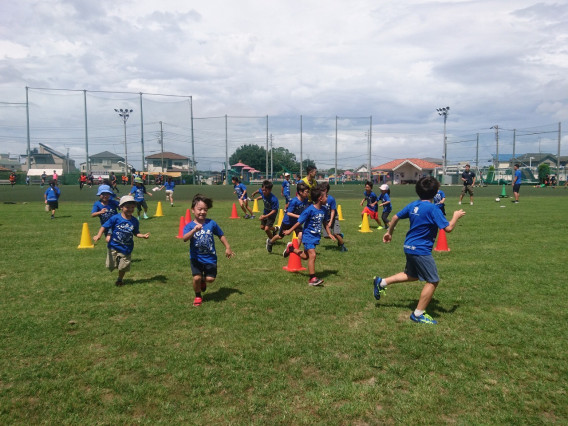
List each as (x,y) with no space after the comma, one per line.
(444,112)
(124,114)
(496,127)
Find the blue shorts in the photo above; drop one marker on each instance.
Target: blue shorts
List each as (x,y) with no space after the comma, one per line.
(287,198)
(309,242)
(203,269)
(422,267)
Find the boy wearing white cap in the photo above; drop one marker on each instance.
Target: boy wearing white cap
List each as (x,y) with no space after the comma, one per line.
(123,227)
(385,202)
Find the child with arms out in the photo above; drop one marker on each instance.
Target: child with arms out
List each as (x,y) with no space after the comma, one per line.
(123,227)
(203,257)
(425,220)
(372,200)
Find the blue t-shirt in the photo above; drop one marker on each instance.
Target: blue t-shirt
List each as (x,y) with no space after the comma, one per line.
(517,178)
(439,197)
(383,198)
(425,220)
(138,192)
(329,206)
(170,185)
(371,198)
(202,244)
(270,202)
(312,219)
(241,191)
(122,233)
(52,194)
(295,207)
(286,188)
(112,209)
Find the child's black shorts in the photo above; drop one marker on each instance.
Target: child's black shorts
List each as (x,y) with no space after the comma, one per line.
(203,269)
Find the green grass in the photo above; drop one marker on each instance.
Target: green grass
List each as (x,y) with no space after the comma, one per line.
(265,347)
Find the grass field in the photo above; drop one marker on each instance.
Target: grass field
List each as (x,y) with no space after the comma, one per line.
(265,348)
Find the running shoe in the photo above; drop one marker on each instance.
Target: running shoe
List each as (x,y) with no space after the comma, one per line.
(289,249)
(315,281)
(377,289)
(268,245)
(424,319)
(197,301)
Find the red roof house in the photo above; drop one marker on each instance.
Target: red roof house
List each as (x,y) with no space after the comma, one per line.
(407,170)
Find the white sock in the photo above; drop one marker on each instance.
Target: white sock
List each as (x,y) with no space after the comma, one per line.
(418,312)
(383,283)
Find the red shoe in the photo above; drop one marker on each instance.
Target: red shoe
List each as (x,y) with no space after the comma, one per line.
(289,249)
(197,301)
(315,281)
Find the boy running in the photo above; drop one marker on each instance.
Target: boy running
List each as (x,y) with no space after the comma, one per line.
(271,206)
(331,223)
(425,220)
(372,200)
(286,189)
(106,207)
(202,254)
(384,201)
(138,190)
(241,191)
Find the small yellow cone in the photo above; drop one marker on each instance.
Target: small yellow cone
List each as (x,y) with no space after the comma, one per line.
(280,217)
(339,212)
(86,241)
(365,224)
(255,207)
(159,212)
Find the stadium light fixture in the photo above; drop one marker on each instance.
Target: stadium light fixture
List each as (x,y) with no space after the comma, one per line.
(124,114)
(444,111)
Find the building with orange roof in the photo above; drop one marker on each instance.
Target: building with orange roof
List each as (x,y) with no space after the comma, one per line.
(407,170)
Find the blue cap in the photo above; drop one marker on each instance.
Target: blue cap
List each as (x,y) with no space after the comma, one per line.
(103,189)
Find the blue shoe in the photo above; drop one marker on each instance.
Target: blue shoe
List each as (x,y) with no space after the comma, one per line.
(424,319)
(377,290)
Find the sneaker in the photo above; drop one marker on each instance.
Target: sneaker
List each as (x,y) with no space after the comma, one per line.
(252,217)
(379,227)
(145,216)
(424,319)
(53,217)
(268,245)
(377,289)
(471,203)
(342,248)
(276,229)
(197,301)
(341,235)
(203,286)
(289,249)
(172,204)
(315,281)
(119,283)
(360,225)
(459,202)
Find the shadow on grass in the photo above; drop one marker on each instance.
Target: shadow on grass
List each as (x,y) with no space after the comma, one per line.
(61,216)
(434,306)
(159,278)
(221,294)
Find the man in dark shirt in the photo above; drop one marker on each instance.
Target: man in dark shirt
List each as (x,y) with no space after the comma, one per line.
(468,178)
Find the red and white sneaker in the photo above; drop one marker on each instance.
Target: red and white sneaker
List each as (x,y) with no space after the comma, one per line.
(289,249)
(315,281)
(197,301)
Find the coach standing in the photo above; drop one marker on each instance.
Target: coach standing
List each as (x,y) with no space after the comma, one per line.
(516,183)
(468,178)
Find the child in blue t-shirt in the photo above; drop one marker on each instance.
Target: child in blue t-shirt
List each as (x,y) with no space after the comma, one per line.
(295,208)
(138,191)
(51,197)
(271,206)
(200,232)
(385,202)
(440,200)
(331,223)
(170,186)
(312,220)
(372,200)
(241,191)
(123,228)
(286,189)
(105,207)
(425,220)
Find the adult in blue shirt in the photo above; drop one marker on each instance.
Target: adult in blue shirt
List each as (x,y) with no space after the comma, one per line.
(51,197)
(516,183)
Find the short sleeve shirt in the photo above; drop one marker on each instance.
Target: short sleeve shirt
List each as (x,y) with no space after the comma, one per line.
(270,203)
(328,207)
(296,206)
(371,198)
(286,188)
(202,244)
(138,193)
(425,220)
(312,220)
(122,233)
(240,189)
(468,176)
(112,209)
(383,198)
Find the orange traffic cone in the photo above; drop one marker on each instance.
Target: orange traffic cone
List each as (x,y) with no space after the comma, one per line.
(365,224)
(255,207)
(86,241)
(187,216)
(159,212)
(181,226)
(234,214)
(442,244)
(294,261)
(339,212)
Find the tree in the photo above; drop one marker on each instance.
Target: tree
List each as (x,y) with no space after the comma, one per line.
(251,155)
(543,171)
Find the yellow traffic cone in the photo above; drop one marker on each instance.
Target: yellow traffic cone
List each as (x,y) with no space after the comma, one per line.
(255,207)
(280,217)
(86,241)
(159,212)
(365,224)
(339,213)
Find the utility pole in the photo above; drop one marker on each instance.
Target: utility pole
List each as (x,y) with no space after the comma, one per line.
(271,159)
(161,142)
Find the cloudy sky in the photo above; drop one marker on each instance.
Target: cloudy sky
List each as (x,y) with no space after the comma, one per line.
(493,62)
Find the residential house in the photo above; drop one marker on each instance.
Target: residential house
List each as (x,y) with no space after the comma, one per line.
(168,162)
(407,170)
(103,163)
(47,158)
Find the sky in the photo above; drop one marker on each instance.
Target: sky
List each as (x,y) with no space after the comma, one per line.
(493,62)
